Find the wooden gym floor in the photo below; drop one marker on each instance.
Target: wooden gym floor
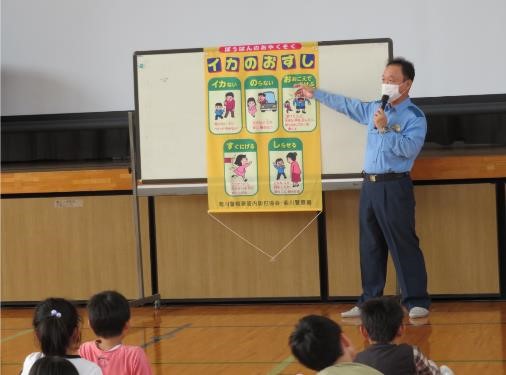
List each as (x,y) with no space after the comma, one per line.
(469,337)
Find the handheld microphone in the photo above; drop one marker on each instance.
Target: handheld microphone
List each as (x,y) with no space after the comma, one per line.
(384,101)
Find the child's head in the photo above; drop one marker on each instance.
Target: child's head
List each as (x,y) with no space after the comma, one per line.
(108,312)
(54,366)
(279,162)
(241,160)
(251,101)
(56,324)
(299,93)
(317,342)
(382,319)
(218,105)
(291,156)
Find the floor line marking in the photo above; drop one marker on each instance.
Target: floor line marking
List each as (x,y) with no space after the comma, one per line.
(282,365)
(167,335)
(21,333)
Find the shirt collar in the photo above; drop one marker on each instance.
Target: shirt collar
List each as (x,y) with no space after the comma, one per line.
(97,342)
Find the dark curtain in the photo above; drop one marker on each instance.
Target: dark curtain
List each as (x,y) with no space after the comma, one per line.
(101,137)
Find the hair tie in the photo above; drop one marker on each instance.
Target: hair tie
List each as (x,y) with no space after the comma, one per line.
(56,313)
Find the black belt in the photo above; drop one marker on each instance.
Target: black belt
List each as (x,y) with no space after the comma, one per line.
(383,176)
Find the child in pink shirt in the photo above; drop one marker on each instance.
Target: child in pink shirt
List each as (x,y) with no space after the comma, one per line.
(109,314)
(241,161)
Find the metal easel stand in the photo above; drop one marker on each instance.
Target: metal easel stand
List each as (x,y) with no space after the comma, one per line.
(143,299)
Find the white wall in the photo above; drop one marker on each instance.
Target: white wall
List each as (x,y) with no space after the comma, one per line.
(63,56)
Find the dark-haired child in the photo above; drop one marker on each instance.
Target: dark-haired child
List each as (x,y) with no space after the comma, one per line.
(280,168)
(109,315)
(319,344)
(241,162)
(229,104)
(287,106)
(252,106)
(53,366)
(57,328)
(381,326)
(218,111)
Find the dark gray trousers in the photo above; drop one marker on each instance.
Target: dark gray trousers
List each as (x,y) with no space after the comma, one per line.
(387,222)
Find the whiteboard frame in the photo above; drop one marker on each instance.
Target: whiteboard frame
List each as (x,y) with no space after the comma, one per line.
(179,186)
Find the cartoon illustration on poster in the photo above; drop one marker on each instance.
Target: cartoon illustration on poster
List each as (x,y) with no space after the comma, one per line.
(225,115)
(240,167)
(299,112)
(261,93)
(263,136)
(286,166)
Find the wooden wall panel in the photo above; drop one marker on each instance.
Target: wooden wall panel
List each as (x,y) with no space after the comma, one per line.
(63,181)
(71,247)
(458,235)
(199,258)
(451,165)
(341,210)
(69,251)
(457,228)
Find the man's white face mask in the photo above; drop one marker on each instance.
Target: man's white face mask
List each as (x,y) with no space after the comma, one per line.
(391,90)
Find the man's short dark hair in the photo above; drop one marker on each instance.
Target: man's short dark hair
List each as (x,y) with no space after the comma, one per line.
(382,318)
(108,313)
(407,67)
(316,342)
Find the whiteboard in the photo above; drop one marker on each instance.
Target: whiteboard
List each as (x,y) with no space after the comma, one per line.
(171,119)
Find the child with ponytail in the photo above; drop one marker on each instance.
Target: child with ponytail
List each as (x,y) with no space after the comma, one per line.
(57,328)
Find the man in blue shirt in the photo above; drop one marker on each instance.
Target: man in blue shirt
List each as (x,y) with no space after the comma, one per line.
(395,136)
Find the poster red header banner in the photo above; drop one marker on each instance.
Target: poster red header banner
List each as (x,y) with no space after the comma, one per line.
(261,47)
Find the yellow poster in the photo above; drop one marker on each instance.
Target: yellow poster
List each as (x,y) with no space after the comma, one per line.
(263,135)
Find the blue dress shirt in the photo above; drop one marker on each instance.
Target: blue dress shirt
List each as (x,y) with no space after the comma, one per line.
(394,150)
